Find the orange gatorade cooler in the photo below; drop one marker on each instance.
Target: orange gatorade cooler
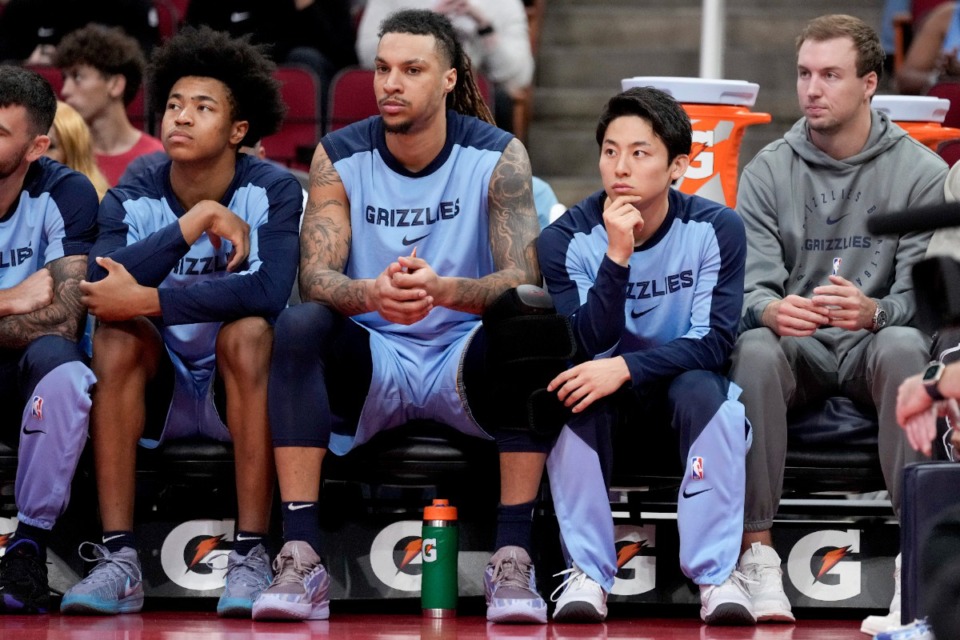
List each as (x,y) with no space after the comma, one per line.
(920,116)
(719,111)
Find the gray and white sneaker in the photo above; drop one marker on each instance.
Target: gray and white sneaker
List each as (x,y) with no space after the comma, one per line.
(579,598)
(300,589)
(510,587)
(115,585)
(761,565)
(246,577)
(727,603)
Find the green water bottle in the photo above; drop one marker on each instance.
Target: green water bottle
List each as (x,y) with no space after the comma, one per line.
(438,589)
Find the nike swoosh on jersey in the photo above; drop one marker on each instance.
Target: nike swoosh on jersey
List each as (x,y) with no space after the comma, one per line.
(409,241)
(688,494)
(836,220)
(640,314)
(30,432)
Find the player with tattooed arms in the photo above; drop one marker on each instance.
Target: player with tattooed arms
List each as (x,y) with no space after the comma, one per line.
(417,221)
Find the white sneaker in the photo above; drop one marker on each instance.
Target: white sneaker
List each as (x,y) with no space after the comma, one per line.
(872,625)
(728,603)
(579,598)
(761,565)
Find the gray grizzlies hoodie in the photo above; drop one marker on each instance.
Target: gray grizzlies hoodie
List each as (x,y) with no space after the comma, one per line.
(805,212)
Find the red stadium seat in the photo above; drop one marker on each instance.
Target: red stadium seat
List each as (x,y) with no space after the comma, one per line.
(950,91)
(949,151)
(300,131)
(51,74)
(352,98)
(169,16)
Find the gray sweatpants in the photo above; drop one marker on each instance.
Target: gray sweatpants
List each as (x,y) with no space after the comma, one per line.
(779,373)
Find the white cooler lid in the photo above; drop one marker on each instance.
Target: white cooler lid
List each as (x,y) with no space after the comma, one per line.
(912,108)
(699,90)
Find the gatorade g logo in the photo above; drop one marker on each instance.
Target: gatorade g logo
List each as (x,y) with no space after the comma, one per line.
(701,166)
(820,566)
(194,554)
(636,564)
(429,549)
(395,555)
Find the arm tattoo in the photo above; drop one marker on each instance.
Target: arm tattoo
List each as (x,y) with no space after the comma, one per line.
(513,233)
(63,317)
(325,243)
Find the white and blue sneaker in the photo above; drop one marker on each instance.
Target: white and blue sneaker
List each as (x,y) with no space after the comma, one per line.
(246,577)
(916,630)
(510,587)
(299,591)
(579,598)
(115,585)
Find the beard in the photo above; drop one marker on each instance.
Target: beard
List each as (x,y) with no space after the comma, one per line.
(398,127)
(8,168)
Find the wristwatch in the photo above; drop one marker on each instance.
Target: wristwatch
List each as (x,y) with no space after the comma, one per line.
(879,319)
(931,380)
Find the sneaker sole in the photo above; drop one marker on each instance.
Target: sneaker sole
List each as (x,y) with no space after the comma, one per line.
(282,610)
(80,605)
(516,615)
(579,612)
(235,608)
(730,614)
(777,616)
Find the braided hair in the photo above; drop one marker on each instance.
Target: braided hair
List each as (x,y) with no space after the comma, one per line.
(465,98)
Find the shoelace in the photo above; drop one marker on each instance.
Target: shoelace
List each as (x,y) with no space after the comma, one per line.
(575,578)
(102,556)
(742,580)
(289,568)
(249,571)
(509,573)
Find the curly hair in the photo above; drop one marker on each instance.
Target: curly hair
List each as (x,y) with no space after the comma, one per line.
(28,89)
(108,50)
(465,97)
(667,118)
(244,68)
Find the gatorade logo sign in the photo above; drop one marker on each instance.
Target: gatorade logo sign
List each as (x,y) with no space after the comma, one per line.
(7,527)
(397,554)
(194,554)
(429,549)
(702,164)
(636,562)
(821,565)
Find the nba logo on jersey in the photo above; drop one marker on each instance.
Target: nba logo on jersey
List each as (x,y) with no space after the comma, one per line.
(696,468)
(37,409)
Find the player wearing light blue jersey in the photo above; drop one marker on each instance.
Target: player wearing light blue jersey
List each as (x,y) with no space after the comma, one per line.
(652,280)
(47,226)
(417,221)
(195,259)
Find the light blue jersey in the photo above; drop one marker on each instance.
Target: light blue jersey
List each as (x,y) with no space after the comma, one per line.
(442,212)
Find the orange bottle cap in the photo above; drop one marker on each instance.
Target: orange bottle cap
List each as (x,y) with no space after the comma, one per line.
(440,510)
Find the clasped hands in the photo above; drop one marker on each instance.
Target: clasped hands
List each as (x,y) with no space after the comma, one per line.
(839,304)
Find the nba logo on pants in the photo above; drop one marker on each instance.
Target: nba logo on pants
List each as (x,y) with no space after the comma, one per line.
(37,410)
(696,468)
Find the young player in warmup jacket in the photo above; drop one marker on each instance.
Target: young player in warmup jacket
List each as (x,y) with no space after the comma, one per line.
(196,257)
(652,280)
(48,222)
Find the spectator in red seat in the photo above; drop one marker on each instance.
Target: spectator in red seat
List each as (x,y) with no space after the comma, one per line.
(933,54)
(103,69)
(828,304)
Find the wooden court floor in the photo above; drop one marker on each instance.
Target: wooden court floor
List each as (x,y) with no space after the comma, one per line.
(359,626)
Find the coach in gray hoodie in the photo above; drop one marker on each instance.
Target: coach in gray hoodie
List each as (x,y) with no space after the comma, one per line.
(826,303)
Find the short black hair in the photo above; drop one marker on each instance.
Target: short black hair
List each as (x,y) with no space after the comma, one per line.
(243,67)
(666,117)
(108,50)
(28,89)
